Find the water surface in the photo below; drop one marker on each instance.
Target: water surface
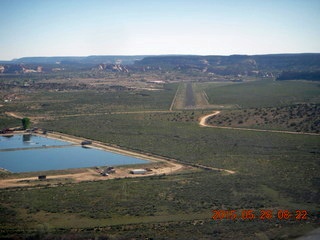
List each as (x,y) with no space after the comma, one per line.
(63,156)
(28,141)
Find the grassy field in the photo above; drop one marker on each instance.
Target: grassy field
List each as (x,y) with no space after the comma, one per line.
(290,106)
(274,171)
(263,93)
(6,121)
(296,118)
(180,205)
(52,104)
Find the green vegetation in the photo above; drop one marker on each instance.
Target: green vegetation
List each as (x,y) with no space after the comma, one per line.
(291,75)
(264,93)
(266,163)
(26,123)
(157,207)
(6,122)
(273,170)
(296,118)
(53,104)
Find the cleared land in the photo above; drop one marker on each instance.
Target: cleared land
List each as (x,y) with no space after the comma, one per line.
(265,93)
(193,96)
(89,175)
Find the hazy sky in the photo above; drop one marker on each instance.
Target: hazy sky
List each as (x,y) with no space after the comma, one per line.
(133,27)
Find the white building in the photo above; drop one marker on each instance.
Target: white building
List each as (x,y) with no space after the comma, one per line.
(138,171)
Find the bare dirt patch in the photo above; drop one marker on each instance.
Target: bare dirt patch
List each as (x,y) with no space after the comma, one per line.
(203,120)
(90,174)
(12,114)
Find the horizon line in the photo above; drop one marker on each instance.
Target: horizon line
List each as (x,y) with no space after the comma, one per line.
(156,55)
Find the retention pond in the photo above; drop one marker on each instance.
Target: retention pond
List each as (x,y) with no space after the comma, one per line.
(29,153)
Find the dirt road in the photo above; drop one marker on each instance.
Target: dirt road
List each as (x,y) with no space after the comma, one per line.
(36,118)
(12,114)
(203,122)
(204,119)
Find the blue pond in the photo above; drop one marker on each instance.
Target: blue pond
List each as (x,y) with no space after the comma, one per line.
(28,141)
(64,156)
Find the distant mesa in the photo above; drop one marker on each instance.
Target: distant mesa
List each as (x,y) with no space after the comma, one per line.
(271,66)
(20,68)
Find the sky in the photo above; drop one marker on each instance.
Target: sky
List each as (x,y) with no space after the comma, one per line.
(155,27)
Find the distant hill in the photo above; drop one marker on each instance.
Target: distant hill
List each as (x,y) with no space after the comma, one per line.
(78,60)
(237,63)
(272,65)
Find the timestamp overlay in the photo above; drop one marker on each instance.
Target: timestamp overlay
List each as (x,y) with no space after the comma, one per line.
(262,214)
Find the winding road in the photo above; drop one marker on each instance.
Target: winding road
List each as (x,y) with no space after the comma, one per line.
(203,123)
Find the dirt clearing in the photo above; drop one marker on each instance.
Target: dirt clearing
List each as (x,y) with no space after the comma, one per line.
(90,174)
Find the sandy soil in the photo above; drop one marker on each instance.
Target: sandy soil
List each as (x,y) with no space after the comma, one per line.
(203,120)
(33,119)
(88,175)
(12,114)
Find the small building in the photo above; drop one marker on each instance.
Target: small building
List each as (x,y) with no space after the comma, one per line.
(108,171)
(86,142)
(138,171)
(42,177)
(7,131)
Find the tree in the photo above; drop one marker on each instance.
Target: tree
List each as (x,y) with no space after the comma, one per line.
(26,123)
